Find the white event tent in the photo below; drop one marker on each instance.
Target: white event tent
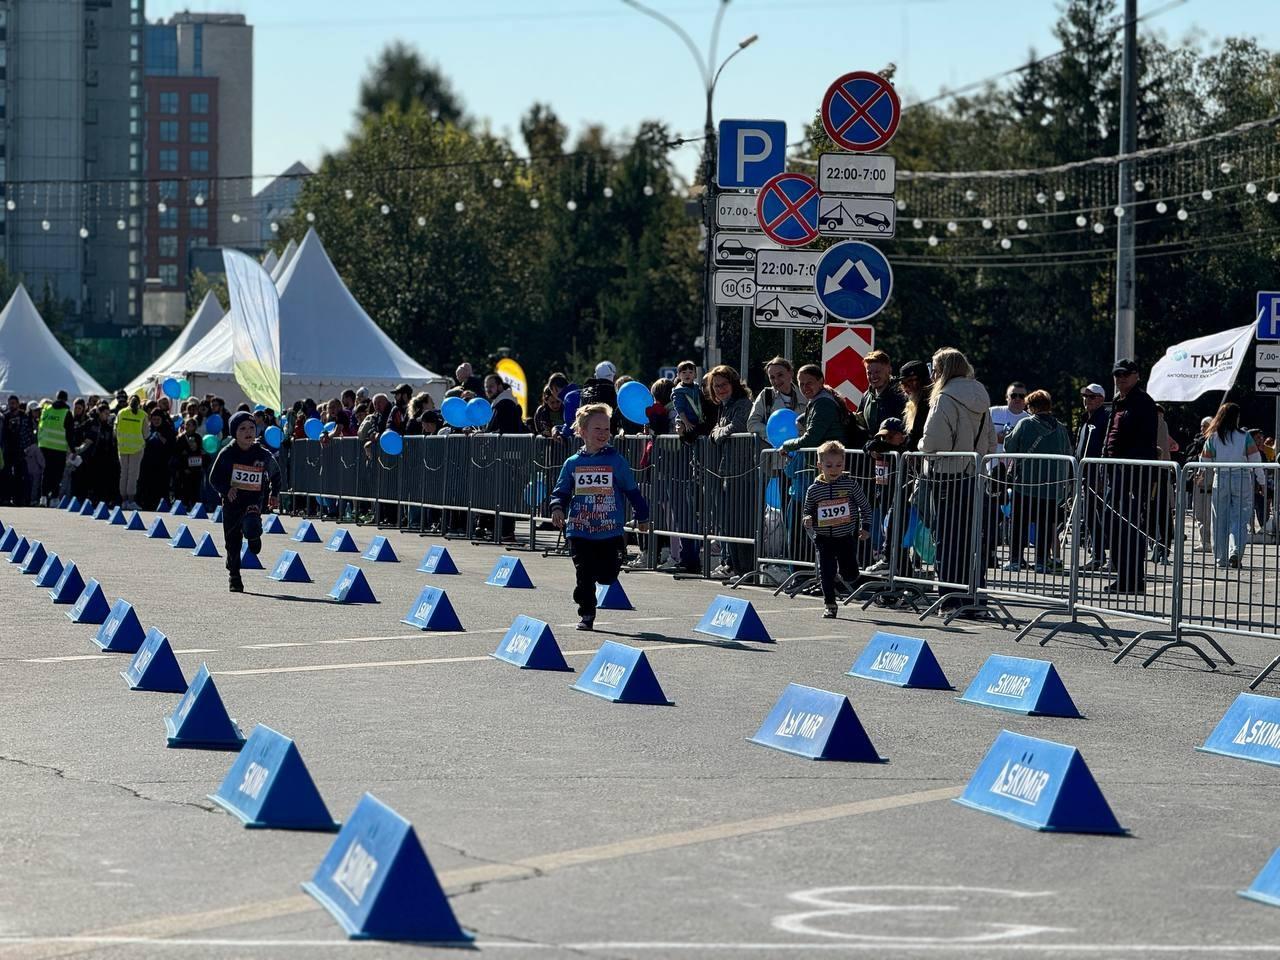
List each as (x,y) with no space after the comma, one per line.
(282,264)
(202,321)
(327,342)
(33,364)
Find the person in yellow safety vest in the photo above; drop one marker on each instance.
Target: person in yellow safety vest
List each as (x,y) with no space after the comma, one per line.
(53,440)
(129,442)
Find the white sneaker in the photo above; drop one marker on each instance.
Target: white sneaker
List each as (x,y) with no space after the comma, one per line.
(1013,566)
(880,566)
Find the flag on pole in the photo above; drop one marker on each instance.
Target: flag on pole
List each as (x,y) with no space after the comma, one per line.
(1195,367)
(255,329)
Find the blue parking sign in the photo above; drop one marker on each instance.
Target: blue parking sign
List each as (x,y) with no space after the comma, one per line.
(751,152)
(1268,314)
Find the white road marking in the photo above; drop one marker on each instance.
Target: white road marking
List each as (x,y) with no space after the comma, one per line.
(86,656)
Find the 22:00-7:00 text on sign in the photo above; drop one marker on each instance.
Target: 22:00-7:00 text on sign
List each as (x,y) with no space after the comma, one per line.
(844,173)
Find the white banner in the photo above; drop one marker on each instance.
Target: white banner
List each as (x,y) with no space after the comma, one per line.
(255,329)
(1198,366)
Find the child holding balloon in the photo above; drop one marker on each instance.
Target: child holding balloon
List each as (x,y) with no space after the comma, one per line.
(247,477)
(587,505)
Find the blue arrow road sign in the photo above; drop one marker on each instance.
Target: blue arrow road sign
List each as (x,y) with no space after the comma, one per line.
(854,280)
(750,153)
(1268,314)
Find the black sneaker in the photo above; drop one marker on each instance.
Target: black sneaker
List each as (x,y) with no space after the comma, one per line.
(234,583)
(587,623)
(830,612)
(255,545)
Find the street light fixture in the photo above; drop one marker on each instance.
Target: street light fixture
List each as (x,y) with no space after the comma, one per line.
(710,74)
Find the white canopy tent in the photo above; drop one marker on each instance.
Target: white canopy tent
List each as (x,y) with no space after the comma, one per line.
(281,265)
(202,321)
(33,364)
(327,342)
(269,261)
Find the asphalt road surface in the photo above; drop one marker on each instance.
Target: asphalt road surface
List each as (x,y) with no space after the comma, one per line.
(562,825)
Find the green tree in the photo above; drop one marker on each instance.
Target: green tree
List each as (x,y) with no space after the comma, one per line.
(401,78)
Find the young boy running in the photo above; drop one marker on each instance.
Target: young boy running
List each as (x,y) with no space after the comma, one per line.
(586,505)
(247,477)
(829,507)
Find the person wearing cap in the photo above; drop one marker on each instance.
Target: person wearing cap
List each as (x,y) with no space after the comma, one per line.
(247,477)
(1093,431)
(1131,435)
(914,381)
(599,388)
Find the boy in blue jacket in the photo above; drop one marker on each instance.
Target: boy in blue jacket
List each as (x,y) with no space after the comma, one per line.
(586,504)
(247,477)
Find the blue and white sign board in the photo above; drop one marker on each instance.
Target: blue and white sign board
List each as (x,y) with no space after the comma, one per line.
(200,720)
(432,610)
(733,618)
(530,645)
(377,882)
(437,560)
(750,152)
(1266,885)
(1020,685)
(901,661)
(817,724)
(853,280)
(1268,314)
(621,674)
(154,667)
(1249,730)
(269,786)
(1039,784)
(509,572)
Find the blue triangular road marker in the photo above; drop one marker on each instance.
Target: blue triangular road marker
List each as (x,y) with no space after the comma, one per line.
(91,606)
(530,645)
(733,618)
(509,572)
(179,509)
(248,559)
(206,547)
(1266,885)
(271,524)
(901,661)
(1020,685)
(121,632)
(1249,730)
(1039,784)
(621,674)
(437,560)
(117,518)
(183,538)
(8,540)
(35,558)
(102,511)
(69,586)
(164,506)
(352,587)
(19,551)
(290,569)
(342,542)
(50,573)
(135,522)
(74,505)
(611,596)
(62,504)
(432,611)
(380,551)
(200,719)
(154,668)
(377,882)
(86,508)
(217,514)
(816,724)
(306,533)
(157,530)
(199,512)
(268,786)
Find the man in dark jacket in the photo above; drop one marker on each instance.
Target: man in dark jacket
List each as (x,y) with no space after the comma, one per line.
(1131,435)
(17,436)
(1093,432)
(54,437)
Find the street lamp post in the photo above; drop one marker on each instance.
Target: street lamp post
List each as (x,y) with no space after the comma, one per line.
(710,76)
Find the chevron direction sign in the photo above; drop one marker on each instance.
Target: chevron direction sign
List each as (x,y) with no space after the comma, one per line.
(843,347)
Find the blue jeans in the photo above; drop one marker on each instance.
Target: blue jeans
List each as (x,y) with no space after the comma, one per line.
(1231,506)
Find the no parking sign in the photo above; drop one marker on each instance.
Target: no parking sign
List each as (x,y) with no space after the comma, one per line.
(860,111)
(787,209)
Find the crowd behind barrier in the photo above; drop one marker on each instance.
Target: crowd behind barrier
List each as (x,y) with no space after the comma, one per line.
(1083,542)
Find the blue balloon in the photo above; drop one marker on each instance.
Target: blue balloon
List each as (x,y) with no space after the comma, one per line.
(633,400)
(773,494)
(213,423)
(177,420)
(331,426)
(478,412)
(172,389)
(391,443)
(313,428)
(454,411)
(571,401)
(783,425)
(274,436)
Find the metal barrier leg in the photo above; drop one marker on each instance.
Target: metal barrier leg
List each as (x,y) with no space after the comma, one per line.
(1073,625)
(1173,640)
(1266,672)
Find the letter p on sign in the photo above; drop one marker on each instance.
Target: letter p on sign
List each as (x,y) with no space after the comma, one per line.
(750,153)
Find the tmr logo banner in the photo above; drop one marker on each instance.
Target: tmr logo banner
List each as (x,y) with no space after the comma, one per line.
(1200,366)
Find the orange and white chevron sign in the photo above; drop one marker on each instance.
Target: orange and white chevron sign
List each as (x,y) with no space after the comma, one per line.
(843,348)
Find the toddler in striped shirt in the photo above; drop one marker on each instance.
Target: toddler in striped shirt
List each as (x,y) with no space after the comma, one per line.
(830,506)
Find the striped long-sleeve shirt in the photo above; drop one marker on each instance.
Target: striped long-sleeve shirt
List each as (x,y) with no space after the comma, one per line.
(834,504)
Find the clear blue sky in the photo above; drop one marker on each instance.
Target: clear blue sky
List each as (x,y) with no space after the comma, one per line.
(599,61)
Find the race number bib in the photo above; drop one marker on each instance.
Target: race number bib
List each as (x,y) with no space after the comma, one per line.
(882,473)
(833,512)
(592,481)
(195,461)
(246,478)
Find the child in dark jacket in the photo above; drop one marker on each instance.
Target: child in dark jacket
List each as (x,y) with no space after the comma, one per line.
(586,504)
(835,511)
(247,477)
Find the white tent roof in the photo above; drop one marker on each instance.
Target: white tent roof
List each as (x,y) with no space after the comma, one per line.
(202,321)
(269,261)
(286,257)
(33,363)
(326,338)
